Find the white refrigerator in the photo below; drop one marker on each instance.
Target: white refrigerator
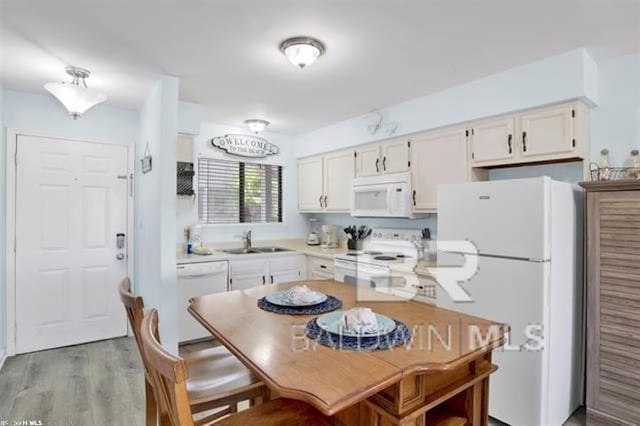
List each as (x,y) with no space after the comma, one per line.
(528,233)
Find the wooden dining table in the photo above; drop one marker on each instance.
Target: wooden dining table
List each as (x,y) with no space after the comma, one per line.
(443,371)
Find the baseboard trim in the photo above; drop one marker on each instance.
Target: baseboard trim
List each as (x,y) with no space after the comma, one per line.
(3,356)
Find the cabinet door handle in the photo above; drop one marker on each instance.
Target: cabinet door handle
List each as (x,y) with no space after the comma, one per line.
(325,201)
(271,279)
(524,141)
(323,266)
(320,200)
(509,143)
(264,280)
(377,165)
(414,197)
(384,164)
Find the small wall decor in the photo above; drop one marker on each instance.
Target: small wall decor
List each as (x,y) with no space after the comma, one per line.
(375,123)
(145,161)
(245,145)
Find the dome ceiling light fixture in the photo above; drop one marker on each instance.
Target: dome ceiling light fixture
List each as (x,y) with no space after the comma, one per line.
(76,97)
(256,125)
(302,51)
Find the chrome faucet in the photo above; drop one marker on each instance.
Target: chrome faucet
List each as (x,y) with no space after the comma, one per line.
(246,239)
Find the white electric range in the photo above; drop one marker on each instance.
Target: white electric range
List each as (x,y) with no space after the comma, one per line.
(387,265)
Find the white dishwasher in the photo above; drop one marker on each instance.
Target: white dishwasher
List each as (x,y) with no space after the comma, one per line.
(198,279)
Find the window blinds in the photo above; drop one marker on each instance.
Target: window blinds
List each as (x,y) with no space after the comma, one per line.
(237,192)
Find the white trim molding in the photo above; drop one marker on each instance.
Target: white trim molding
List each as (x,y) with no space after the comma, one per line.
(10,244)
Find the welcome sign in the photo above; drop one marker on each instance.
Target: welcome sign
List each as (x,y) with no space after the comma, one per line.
(245,145)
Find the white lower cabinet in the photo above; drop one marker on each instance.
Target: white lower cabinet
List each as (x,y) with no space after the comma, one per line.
(320,268)
(286,269)
(251,272)
(248,273)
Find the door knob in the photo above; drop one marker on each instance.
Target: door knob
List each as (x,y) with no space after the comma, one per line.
(120,256)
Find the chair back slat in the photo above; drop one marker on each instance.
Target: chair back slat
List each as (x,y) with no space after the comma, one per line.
(134,306)
(168,372)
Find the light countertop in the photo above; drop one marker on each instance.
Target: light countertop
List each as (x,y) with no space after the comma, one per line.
(298,246)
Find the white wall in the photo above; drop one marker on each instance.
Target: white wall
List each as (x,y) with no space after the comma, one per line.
(155,220)
(43,113)
(615,123)
(570,75)
(293,225)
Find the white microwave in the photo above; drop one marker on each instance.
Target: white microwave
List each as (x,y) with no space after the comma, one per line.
(382,196)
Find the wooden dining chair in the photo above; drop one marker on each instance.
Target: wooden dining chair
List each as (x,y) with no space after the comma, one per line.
(170,375)
(216,377)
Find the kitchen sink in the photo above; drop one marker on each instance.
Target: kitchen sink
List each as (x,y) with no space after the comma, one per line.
(242,251)
(270,249)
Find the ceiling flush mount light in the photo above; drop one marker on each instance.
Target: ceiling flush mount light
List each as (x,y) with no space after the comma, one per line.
(255,125)
(302,51)
(76,96)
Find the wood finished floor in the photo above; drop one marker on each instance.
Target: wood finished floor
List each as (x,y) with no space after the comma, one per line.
(99,383)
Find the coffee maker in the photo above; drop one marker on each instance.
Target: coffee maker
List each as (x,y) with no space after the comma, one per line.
(329,236)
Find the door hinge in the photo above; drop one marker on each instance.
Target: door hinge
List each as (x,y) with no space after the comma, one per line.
(573,113)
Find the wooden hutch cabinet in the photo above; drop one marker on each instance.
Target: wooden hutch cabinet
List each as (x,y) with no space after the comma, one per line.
(613,300)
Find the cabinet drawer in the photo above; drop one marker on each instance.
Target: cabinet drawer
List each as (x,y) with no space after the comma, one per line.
(320,264)
(248,267)
(285,263)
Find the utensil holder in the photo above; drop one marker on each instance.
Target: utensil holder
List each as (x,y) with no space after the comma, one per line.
(354,244)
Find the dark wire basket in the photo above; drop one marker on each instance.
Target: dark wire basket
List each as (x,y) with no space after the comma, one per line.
(613,173)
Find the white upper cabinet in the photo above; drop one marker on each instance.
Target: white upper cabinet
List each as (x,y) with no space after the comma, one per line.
(395,156)
(492,142)
(385,158)
(339,170)
(324,182)
(368,161)
(437,157)
(547,132)
(543,134)
(310,184)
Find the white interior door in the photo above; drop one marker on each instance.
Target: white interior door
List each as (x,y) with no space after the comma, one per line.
(71,201)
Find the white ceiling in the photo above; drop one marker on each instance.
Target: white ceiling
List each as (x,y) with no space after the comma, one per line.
(226,52)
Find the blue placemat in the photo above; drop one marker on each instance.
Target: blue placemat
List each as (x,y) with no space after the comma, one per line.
(397,337)
(331,304)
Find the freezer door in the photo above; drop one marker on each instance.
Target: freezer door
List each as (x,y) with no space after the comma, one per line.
(506,218)
(512,292)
